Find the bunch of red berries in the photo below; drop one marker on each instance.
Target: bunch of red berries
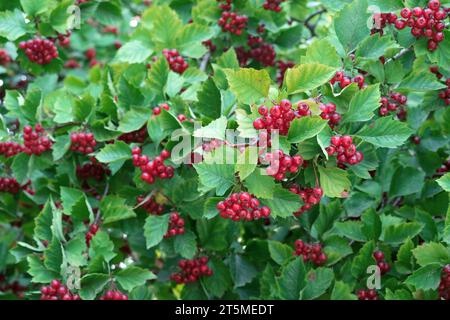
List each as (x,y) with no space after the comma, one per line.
(191,270)
(282,68)
(232,22)
(243,56)
(71,64)
(64,39)
(281,163)
(345,150)
(10,148)
(343,81)
(152,169)
(82,142)
(310,197)
(387,106)
(273,5)
(212,145)
(91,55)
(445,94)
(92,169)
(176,225)
(242,206)
(5,59)
(381,20)
(93,229)
(381,262)
(151,206)
(226,6)
(57,291)
(35,142)
(210,45)
(9,185)
(425,22)
(329,113)
(14,287)
(40,51)
(444,285)
(310,252)
(137,136)
(176,62)
(280,116)
(157,110)
(263,53)
(370,294)
(114,295)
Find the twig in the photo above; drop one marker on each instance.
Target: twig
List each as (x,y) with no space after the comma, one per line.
(311,27)
(105,192)
(399,55)
(204,61)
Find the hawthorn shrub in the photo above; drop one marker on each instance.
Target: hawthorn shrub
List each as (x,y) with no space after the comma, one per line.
(338,179)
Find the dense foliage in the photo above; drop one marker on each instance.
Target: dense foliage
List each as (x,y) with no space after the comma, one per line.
(97,200)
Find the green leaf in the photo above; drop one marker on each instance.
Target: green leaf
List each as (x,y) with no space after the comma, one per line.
(92,284)
(43,223)
(280,252)
(385,132)
(212,233)
(308,76)
(432,253)
(292,280)
(283,203)
(363,260)
(371,224)
(134,51)
(190,37)
(12,25)
(185,244)
(262,186)
(325,221)
(69,197)
(242,271)
(158,75)
(155,228)
(396,234)
(323,52)
(209,100)
(350,24)
(342,291)
(74,252)
(60,147)
(248,85)
(351,230)
(220,281)
(246,163)
(34,7)
(421,81)
(426,278)
(218,176)
(39,273)
(362,105)
(101,246)
(444,182)
(334,182)
(166,26)
(214,130)
(133,277)
(20,167)
(60,16)
(134,119)
(405,257)
(108,13)
(336,248)
(406,181)
(113,209)
(53,256)
(318,281)
(375,46)
(119,151)
(305,128)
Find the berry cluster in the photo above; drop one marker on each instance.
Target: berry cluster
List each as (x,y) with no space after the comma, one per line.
(370,294)
(282,68)
(381,262)
(259,51)
(5,59)
(114,295)
(345,150)
(281,163)
(310,252)
(57,291)
(176,225)
(424,22)
(64,39)
(176,62)
(92,169)
(191,270)
(137,136)
(273,5)
(280,116)
(444,285)
(35,142)
(310,197)
(381,20)
(82,142)
(386,105)
(243,56)
(444,94)
(242,206)
(9,185)
(93,229)
(152,169)
(157,110)
(232,22)
(91,55)
(14,287)
(40,51)
(71,64)
(343,81)
(151,206)
(10,148)
(329,113)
